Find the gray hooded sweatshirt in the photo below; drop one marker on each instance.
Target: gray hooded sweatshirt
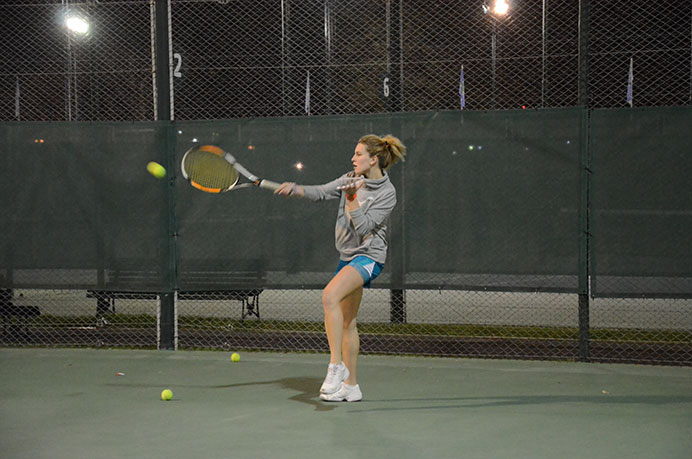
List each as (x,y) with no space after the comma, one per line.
(364,230)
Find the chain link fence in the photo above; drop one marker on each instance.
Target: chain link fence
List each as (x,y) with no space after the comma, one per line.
(488,265)
(448,323)
(314,59)
(239,58)
(52,73)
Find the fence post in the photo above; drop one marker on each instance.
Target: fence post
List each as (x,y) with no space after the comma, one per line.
(585,182)
(162,80)
(397,295)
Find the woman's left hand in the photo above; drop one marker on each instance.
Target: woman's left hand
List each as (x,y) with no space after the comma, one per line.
(352,185)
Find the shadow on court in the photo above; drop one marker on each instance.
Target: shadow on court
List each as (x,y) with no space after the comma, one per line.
(476,402)
(304,386)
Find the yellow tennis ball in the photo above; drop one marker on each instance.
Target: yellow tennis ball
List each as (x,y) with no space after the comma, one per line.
(235,357)
(156,169)
(166,394)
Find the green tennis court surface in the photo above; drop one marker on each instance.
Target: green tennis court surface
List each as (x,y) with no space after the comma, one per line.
(57,403)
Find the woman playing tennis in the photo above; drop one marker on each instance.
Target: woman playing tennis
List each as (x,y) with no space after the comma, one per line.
(367,198)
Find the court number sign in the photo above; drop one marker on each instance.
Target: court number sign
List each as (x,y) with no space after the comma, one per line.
(387,92)
(177,64)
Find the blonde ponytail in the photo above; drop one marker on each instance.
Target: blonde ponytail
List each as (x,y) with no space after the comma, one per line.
(388,149)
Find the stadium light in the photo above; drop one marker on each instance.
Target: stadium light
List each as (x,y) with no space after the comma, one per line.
(496,7)
(77,24)
(496,10)
(501,7)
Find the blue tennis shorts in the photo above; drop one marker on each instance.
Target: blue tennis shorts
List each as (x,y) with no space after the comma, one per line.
(368,268)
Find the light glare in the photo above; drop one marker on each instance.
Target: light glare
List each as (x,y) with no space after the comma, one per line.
(77,24)
(501,7)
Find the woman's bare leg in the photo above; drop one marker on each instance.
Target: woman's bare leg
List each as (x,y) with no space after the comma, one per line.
(341,286)
(350,341)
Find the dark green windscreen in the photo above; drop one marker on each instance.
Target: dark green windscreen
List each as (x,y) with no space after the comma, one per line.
(486,200)
(78,203)
(492,200)
(291,240)
(642,201)
(483,199)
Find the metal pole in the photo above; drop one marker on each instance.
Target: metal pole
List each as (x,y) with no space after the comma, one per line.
(75,89)
(69,78)
(401,106)
(585,207)
(162,55)
(17,100)
(397,294)
(154,83)
(171,87)
(544,56)
(163,66)
(328,51)
(493,62)
(583,89)
(68,66)
(283,56)
(388,25)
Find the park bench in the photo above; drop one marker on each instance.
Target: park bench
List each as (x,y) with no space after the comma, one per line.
(15,317)
(194,284)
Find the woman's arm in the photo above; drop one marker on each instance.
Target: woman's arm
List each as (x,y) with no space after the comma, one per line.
(290,189)
(376,215)
(313,192)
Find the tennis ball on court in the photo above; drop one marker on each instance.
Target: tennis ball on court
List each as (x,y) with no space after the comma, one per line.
(156,169)
(235,357)
(166,394)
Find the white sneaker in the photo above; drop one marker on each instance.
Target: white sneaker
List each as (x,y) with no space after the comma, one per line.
(345,394)
(336,374)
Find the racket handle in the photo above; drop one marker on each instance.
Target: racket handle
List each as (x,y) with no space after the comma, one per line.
(343,187)
(269,185)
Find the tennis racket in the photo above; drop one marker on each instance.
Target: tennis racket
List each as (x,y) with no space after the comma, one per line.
(213,170)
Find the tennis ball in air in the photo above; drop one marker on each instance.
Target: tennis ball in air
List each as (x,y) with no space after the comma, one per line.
(166,394)
(235,357)
(156,169)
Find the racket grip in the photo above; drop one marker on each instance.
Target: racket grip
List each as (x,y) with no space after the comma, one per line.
(269,185)
(343,187)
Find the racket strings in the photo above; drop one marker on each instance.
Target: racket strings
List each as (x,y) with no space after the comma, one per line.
(210,170)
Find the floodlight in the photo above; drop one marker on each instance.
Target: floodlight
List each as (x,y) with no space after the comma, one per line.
(501,7)
(77,24)
(496,7)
